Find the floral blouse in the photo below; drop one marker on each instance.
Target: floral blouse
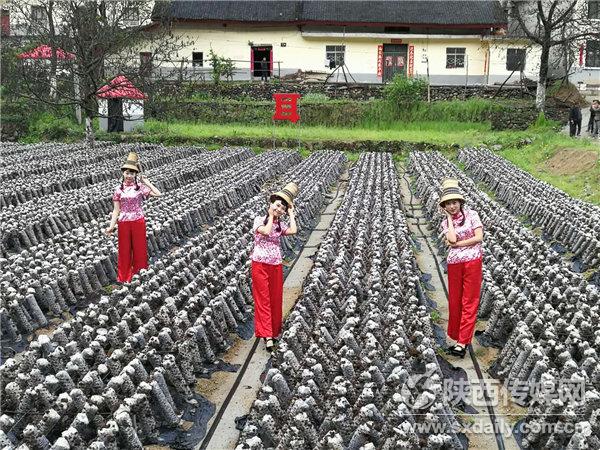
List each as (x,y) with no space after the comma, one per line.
(267,249)
(466,231)
(131,201)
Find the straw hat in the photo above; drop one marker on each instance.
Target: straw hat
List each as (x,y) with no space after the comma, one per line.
(450,191)
(132,162)
(288,193)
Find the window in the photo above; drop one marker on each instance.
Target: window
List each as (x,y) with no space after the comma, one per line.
(38,15)
(593,9)
(5,22)
(197,59)
(592,54)
(335,55)
(131,16)
(515,59)
(145,63)
(455,57)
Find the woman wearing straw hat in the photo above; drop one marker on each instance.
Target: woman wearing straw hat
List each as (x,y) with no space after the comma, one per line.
(267,268)
(464,233)
(127,212)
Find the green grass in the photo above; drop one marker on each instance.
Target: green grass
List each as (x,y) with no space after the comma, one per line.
(435,132)
(352,156)
(471,110)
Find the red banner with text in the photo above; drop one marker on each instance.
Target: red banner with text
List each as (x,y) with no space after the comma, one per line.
(380,61)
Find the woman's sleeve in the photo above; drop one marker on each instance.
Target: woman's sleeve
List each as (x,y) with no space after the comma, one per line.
(145,191)
(117,195)
(444,225)
(475,220)
(284,227)
(258,221)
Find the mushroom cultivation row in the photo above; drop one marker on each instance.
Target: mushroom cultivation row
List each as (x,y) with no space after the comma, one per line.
(545,205)
(350,369)
(32,222)
(544,316)
(31,186)
(123,369)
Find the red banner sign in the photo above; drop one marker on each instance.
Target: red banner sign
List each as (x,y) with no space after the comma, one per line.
(411,60)
(286,107)
(380,61)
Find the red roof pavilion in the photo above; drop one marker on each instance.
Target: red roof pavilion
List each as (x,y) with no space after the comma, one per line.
(45,52)
(120,87)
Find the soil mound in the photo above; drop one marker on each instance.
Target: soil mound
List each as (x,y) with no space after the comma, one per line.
(571,161)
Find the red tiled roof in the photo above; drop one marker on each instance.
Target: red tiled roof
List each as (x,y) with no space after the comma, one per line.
(45,52)
(120,87)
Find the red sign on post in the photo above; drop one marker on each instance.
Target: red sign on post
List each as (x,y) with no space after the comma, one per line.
(286,107)
(411,60)
(380,61)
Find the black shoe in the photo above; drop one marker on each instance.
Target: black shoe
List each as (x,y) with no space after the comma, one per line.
(457,350)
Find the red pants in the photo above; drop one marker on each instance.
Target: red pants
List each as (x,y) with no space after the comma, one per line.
(133,250)
(464,286)
(267,290)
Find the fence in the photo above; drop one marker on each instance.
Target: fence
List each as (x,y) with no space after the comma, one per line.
(184,70)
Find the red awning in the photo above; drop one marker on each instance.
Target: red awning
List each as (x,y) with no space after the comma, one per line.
(45,52)
(120,87)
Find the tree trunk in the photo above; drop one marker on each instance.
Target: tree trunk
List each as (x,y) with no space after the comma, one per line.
(90,138)
(540,95)
(53,59)
(53,83)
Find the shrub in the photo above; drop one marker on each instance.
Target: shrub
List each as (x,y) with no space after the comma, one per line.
(541,122)
(221,67)
(50,127)
(315,97)
(404,92)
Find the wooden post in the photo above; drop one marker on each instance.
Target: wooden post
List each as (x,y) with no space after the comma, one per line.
(428,83)
(466,74)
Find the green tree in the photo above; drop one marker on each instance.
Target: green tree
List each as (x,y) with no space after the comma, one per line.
(221,67)
(104,39)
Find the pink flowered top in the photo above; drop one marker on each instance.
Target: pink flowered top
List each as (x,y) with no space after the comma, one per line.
(467,231)
(131,201)
(267,249)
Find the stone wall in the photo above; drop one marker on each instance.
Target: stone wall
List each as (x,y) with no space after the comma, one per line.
(259,91)
(520,117)
(335,114)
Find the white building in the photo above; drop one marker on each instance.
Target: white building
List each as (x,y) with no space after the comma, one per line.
(450,42)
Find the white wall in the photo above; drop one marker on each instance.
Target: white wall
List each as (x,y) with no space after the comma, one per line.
(433,52)
(133,114)
(498,52)
(308,53)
